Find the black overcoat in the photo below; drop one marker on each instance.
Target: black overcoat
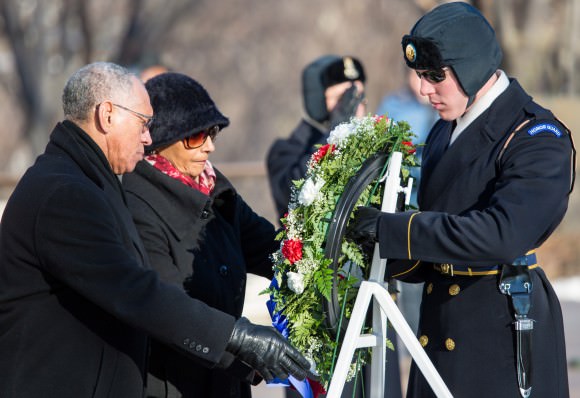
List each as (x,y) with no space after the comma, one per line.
(480,209)
(205,245)
(287,160)
(78,299)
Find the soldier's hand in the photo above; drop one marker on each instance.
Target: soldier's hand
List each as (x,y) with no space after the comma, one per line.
(363,227)
(346,106)
(267,351)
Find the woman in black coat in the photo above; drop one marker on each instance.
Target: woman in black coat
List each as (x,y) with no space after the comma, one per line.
(198,232)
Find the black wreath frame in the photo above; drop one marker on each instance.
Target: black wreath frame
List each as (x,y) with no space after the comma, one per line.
(371,169)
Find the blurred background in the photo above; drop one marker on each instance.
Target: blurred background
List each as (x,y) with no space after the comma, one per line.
(249,54)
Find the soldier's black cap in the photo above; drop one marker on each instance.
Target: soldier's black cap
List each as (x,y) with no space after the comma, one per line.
(322,73)
(458,36)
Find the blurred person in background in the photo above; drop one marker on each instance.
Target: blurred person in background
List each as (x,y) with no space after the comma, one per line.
(78,298)
(199,233)
(333,92)
(151,71)
(497,172)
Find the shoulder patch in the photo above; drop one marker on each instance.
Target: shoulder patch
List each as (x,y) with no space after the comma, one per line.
(548,127)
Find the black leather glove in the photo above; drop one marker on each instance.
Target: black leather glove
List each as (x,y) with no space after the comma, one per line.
(267,351)
(346,106)
(363,228)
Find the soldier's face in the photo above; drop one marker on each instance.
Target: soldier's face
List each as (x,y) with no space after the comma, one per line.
(446,96)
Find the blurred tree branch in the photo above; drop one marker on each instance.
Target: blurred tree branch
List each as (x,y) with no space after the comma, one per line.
(50,39)
(147,27)
(248,53)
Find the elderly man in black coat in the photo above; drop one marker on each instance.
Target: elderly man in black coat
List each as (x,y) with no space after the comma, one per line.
(78,299)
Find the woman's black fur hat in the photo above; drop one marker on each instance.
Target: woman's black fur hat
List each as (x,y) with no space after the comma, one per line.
(456,35)
(181,107)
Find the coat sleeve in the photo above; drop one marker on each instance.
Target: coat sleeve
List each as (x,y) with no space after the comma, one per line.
(258,240)
(89,253)
(530,199)
(286,162)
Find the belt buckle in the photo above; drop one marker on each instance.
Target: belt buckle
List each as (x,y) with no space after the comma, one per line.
(447,269)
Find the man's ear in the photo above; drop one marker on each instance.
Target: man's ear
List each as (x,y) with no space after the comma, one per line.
(104,116)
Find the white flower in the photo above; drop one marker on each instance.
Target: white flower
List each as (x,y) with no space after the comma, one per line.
(306,266)
(295,282)
(352,371)
(312,366)
(277,258)
(340,133)
(293,224)
(310,191)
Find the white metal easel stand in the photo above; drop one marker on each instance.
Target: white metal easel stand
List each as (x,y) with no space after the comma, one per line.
(383,307)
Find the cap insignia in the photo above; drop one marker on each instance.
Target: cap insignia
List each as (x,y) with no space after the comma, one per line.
(410,52)
(350,70)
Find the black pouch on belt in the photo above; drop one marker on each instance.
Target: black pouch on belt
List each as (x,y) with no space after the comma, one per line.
(515,282)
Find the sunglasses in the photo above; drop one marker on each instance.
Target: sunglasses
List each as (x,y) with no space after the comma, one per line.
(146,119)
(434,75)
(198,139)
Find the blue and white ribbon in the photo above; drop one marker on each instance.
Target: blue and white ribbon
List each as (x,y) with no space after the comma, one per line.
(280,322)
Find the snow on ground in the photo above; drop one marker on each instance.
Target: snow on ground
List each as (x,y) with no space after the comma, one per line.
(567,289)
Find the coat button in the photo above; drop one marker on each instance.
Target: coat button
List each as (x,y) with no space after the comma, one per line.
(186,342)
(450,344)
(224,270)
(198,347)
(423,340)
(454,290)
(430,288)
(204,214)
(192,345)
(205,350)
(446,269)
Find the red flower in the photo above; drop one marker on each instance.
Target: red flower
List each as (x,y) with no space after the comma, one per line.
(317,388)
(380,118)
(292,250)
(410,147)
(322,151)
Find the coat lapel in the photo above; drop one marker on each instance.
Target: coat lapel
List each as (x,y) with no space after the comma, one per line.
(436,147)
(453,161)
(90,158)
(490,127)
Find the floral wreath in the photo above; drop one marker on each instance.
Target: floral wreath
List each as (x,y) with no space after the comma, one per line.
(302,276)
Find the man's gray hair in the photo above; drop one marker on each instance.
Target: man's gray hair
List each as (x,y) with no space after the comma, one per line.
(91,85)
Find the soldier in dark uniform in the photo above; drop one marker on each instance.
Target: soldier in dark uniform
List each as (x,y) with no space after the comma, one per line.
(497,173)
(333,92)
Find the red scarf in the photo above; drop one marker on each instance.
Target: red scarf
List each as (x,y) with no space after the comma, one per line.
(204,183)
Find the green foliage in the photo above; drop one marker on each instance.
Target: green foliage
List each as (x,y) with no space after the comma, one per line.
(323,279)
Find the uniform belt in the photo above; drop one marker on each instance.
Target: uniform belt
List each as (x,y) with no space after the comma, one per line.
(528,260)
